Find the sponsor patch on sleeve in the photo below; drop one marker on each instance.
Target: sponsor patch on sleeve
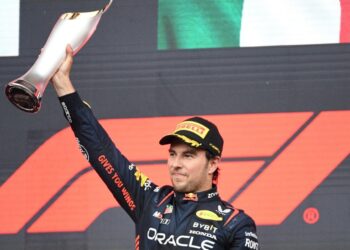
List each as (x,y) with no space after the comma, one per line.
(251,241)
(66,112)
(83,150)
(142,179)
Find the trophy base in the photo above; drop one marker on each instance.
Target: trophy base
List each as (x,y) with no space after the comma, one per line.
(23,95)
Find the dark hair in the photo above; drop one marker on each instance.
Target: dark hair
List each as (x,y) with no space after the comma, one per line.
(209,157)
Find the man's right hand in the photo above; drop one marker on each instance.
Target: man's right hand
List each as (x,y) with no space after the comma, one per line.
(61,79)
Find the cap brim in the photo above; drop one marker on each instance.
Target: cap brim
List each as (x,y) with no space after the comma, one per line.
(168,139)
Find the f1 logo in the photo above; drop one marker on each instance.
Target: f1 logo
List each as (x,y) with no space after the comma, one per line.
(271,163)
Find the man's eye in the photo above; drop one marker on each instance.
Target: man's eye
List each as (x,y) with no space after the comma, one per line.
(188,155)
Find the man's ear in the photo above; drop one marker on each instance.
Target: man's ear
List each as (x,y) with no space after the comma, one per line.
(213,164)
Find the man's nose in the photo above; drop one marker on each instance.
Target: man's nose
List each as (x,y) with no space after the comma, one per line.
(176,162)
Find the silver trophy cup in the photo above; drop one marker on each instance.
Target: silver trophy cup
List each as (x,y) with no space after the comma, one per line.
(73,28)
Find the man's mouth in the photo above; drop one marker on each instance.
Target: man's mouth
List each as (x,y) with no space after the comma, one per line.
(178,175)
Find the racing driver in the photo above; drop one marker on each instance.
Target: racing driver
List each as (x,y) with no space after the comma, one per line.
(187,215)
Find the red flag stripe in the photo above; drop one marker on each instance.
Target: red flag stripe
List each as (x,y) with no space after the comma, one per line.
(345,21)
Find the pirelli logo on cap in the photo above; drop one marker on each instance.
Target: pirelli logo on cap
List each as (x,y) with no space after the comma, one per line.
(193,127)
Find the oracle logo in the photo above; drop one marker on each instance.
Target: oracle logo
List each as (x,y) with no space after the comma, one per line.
(271,163)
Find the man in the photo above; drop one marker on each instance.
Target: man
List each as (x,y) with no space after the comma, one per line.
(188,215)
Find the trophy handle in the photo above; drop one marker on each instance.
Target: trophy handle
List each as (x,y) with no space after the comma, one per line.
(74,28)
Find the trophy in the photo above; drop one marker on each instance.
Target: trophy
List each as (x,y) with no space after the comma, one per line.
(74,28)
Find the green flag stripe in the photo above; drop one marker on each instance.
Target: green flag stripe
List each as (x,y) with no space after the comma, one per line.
(190,24)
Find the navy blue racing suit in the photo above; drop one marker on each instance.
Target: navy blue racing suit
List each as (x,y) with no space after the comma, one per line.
(164,219)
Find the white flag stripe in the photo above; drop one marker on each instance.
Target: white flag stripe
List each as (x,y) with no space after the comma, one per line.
(9,27)
(290,22)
